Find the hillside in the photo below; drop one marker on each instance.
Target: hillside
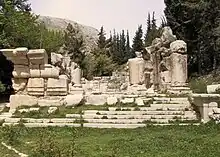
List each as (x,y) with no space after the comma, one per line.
(90,34)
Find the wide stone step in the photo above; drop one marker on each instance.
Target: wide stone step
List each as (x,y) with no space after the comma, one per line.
(110,125)
(131,121)
(171,102)
(154,107)
(115,121)
(35,125)
(145,117)
(32,120)
(97,112)
(170,99)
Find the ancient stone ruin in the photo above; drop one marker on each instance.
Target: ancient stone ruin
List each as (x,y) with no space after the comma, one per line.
(161,67)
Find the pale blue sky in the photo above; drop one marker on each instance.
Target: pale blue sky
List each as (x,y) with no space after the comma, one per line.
(118,14)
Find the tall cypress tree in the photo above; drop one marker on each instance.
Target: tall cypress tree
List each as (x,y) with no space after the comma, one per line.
(128,47)
(123,46)
(102,38)
(147,40)
(137,40)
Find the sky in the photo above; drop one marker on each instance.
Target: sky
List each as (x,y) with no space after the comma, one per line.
(112,14)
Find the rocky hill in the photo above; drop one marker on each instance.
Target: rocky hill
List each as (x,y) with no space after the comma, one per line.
(90,34)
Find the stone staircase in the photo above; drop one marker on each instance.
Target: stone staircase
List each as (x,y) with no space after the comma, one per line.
(162,110)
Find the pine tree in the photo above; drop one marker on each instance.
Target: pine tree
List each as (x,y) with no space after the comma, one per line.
(74,44)
(147,40)
(102,38)
(137,41)
(123,47)
(128,47)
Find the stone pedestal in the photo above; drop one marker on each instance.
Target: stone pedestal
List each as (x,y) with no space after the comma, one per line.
(36,87)
(76,76)
(136,71)
(178,69)
(57,87)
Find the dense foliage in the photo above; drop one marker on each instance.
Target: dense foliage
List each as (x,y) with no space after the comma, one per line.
(198,23)
(20,28)
(74,44)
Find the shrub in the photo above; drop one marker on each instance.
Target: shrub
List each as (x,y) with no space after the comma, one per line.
(2,87)
(198,85)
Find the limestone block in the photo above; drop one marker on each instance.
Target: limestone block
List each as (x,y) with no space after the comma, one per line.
(52,110)
(216,110)
(112,100)
(38,57)
(76,90)
(35,71)
(36,87)
(75,74)
(21,71)
(136,70)
(57,87)
(127,100)
(139,101)
(21,51)
(211,89)
(178,69)
(50,102)
(49,71)
(22,100)
(166,77)
(19,84)
(56,59)
(178,46)
(17,56)
(167,36)
(8,53)
(73,100)
(96,99)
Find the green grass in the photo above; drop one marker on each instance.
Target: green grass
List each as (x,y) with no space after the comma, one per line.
(63,110)
(152,141)
(60,113)
(4,152)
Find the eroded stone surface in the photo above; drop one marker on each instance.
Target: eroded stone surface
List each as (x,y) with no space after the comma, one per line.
(211,89)
(57,87)
(38,57)
(36,87)
(21,71)
(74,100)
(96,99)
(112,100)
(22,100)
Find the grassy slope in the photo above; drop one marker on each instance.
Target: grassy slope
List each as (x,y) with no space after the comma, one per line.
(170,141)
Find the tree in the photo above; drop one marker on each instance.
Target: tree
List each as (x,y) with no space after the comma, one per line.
(74,44)
(101,57)
(102,38)
(152,30)
(128,47)
(18,25)
(197,23)
(147,39)
(137,41)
